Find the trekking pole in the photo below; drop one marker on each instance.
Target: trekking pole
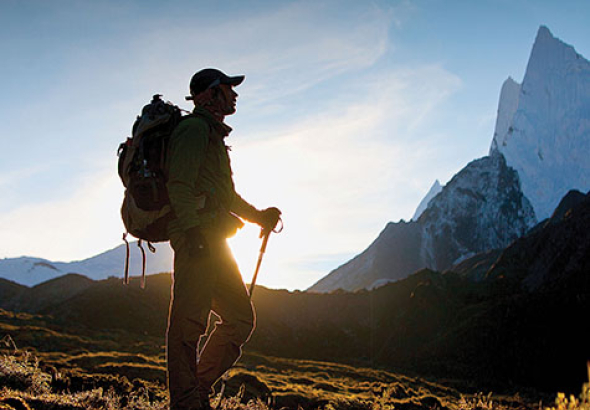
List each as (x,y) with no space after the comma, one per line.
(264,234)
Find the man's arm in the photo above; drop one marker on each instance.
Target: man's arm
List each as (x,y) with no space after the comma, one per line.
(244,209)
(267,218)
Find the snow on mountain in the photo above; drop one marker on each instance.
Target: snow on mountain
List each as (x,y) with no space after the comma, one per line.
(543,125)
(481,208)
(507,107)
(31,271)
(434,190)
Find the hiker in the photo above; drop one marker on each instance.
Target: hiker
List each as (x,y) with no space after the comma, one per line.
(206,276)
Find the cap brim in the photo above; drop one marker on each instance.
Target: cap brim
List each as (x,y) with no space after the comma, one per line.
(225,79)
(234,81)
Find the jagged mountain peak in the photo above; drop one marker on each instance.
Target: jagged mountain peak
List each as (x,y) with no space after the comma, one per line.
(432,192)
(507,107)
(510,82)
(544,35)
(481,208)
(549,51)
(543,125)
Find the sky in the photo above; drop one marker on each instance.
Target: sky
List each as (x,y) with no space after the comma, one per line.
(349,112)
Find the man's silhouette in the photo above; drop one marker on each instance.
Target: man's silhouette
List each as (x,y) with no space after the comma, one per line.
(206,276)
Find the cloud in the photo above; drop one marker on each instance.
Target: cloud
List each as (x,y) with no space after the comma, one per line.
(76,226)
(340,174)
(283,50)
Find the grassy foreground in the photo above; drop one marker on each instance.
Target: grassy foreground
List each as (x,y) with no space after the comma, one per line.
(27,382)
(66,368)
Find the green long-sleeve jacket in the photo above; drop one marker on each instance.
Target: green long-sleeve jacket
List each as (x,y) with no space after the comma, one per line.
(200,184)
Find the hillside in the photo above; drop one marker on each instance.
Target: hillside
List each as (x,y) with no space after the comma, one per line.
(493,329)
(56,367)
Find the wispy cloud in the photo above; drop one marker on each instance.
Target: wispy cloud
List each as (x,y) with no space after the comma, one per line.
(75,226)
(283,50)
(341,174)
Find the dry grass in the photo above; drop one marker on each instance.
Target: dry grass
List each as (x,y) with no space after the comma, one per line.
(114,372)
(261,383)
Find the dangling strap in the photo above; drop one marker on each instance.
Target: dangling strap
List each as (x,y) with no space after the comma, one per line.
(139,243)
(126,276)
(151,247)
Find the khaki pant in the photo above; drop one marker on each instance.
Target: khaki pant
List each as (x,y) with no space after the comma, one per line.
(200,285)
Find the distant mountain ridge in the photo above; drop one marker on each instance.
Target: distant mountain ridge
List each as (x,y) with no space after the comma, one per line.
(31,271)
(538,153)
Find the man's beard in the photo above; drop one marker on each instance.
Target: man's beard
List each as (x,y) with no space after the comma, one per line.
(229,109)
(216,105)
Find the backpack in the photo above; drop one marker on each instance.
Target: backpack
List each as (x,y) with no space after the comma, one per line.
(146,207)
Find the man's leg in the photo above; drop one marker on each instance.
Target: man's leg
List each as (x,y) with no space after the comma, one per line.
(189,310)
(232,304)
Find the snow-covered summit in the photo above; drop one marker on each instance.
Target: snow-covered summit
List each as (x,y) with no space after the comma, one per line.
(543,125)
(506,109)
(434,190)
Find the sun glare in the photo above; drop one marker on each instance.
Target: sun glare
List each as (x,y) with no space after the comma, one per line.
(246,246)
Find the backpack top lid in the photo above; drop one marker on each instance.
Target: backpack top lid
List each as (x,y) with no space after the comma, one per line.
(156,113)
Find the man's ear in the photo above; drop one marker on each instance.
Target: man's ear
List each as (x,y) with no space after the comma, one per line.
(215,91)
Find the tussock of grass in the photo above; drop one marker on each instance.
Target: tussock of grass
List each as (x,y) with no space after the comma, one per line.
(582,402)
(22,373)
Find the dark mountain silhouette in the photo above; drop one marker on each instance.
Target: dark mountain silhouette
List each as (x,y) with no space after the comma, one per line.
(109,304)
(9,290)
(571,200)
(550,255)
(51,292)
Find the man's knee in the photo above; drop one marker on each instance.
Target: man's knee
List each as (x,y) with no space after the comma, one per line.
(186,329)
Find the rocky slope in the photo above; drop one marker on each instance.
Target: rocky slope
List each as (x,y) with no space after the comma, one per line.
(481,208)
(557,252)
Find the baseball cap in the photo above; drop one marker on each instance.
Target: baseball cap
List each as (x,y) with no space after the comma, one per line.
(211,77)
